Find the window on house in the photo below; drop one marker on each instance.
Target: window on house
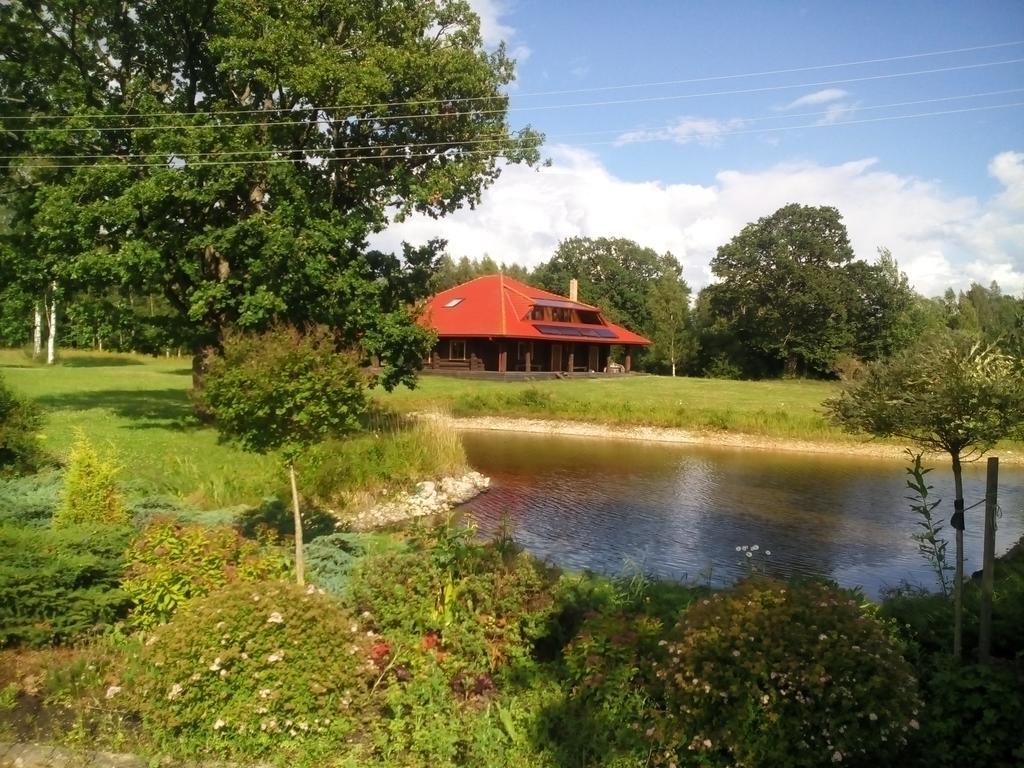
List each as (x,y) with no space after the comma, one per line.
(537,313)
(561,315)
(457,349)
(453,303)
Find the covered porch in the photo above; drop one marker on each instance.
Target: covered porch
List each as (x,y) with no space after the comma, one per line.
(525,356)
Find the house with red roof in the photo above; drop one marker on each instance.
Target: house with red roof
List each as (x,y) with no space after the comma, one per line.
(495,323)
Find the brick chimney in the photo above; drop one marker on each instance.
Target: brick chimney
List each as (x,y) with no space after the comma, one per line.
(574,289)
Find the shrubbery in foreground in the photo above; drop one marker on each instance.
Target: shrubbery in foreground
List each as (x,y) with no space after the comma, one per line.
(20,422)
(56,586)
(778,674)
(170,563)
(255,668)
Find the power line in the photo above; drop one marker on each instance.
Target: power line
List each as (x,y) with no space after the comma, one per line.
(545,107)
(499,136)
(564,92)
(412,155)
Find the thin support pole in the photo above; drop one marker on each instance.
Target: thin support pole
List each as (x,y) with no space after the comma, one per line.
(988,561)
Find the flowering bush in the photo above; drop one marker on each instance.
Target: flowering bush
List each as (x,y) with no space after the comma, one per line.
(253,668)
(771,674)
(170,563)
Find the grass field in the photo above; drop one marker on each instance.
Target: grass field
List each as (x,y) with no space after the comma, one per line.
(783,409)
(138,408)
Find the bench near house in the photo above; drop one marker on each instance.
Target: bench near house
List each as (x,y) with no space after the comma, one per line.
(495,323)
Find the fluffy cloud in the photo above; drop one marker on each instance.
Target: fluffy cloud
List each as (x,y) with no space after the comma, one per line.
(494,31)
(939,240)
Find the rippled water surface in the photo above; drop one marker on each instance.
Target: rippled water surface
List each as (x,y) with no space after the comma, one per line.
(681,511)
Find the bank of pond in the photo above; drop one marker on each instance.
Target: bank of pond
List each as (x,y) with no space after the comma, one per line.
(181,635)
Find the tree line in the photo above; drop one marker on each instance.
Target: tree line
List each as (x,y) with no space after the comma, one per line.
(791,299)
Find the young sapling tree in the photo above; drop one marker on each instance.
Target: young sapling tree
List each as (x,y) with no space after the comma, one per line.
(284,390)
(952,394)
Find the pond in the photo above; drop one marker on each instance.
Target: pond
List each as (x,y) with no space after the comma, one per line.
(680,512)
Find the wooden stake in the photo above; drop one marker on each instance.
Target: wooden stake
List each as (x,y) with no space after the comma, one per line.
(300,560)
(988,562)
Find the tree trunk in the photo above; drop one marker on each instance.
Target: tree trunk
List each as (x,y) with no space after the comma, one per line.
(198,382)
(51,339)
(958,577)
(37,331)
(300,561)
(789,371)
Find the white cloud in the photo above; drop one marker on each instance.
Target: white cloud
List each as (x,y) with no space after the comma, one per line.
(705,130)
(940,240)
(813,99)
(494,30)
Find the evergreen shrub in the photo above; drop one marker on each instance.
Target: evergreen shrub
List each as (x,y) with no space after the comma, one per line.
(20,422)
(776,674)
(56,585)
(255,669)
(90,489)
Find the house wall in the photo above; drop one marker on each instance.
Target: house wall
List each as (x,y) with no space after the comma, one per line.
(484,355)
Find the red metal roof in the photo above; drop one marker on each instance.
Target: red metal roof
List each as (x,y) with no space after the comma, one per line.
(496,306)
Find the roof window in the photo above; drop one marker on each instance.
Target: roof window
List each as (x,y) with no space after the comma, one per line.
(453,303)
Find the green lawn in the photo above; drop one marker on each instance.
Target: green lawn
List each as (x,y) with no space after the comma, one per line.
(138,407)
(784,409)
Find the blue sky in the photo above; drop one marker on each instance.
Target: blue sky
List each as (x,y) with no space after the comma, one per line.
(682,166)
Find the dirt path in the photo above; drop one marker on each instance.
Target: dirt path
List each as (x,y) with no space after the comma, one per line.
(877,450)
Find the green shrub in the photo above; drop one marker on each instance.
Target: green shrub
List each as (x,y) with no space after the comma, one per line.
(771,674)
(255,669)
(30,500)
(330,560)
(171,563)
(483,604)
(20,422)
(90,489)
(972,716)
(929,617)
(57,585)
(609,675)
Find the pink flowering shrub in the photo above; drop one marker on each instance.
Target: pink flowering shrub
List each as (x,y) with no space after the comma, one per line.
(772,674)
(255,668)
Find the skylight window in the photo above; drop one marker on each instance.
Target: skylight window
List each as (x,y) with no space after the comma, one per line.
(453,303)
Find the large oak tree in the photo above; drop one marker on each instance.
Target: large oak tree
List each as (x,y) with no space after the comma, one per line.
(234,155)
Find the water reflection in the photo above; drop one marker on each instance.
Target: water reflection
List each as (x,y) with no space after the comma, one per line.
(680,511)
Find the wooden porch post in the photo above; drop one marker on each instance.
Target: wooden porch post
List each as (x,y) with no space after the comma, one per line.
(527,361)
(572,358)
(502,357)
(629,358)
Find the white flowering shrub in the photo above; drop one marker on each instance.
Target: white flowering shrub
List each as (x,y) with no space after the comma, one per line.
(253,669)
(770,675)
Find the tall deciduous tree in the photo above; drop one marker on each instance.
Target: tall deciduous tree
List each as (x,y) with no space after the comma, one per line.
(783,289)
(614,273)
(235,155)
(954,394)
(669,307)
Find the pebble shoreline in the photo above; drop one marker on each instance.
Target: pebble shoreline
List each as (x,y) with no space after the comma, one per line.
(429,498)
